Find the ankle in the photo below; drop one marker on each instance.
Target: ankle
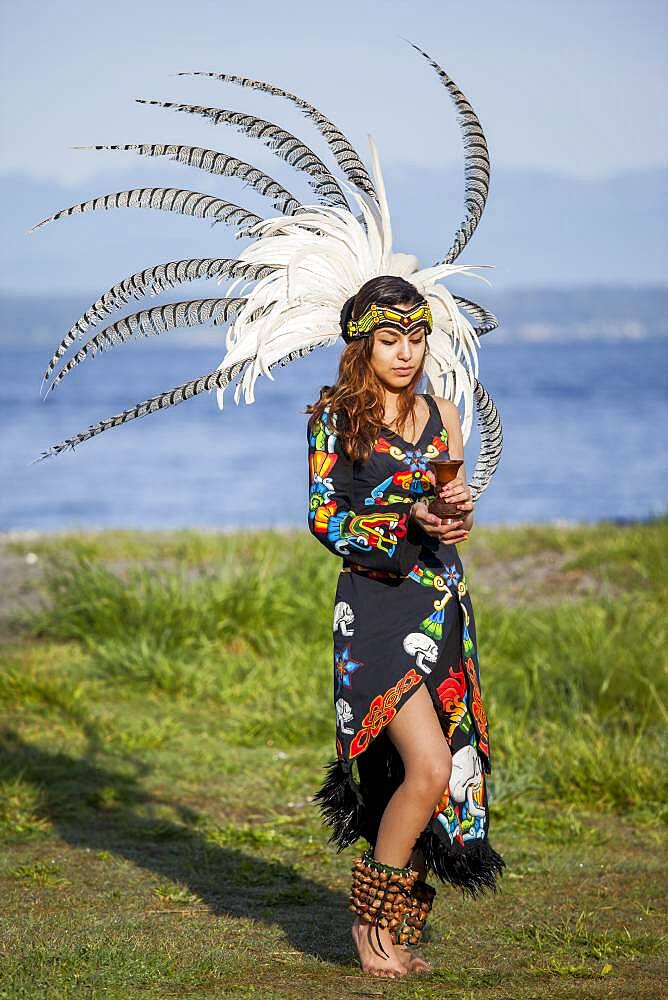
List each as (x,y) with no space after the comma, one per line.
(381,894)
(389,862)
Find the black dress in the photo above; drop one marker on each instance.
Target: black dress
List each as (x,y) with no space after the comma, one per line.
(402,616)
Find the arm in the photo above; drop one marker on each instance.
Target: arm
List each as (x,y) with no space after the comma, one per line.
(377,536)
(458,490)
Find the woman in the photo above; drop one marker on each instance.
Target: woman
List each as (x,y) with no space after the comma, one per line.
(402,614)
(406,681)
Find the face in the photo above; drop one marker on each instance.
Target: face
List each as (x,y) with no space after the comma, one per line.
(396,357)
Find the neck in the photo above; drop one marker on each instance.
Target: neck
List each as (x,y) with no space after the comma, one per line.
(392,402)
(392,397)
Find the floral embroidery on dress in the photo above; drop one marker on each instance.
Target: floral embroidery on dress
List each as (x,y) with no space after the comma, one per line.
(412,482)
(344,668)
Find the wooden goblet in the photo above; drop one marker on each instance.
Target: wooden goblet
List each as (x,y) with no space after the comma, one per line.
(445,470)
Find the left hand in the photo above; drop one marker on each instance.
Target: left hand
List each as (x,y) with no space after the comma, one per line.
(459,493)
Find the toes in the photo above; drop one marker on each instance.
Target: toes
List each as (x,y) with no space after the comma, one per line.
(386,973)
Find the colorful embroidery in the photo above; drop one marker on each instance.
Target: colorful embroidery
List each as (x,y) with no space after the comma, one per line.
(344,667)
(412,484)
(453,693)
(381,711)
(433,625)
(399,488)
(375,531)
(346,531)
(461,809)
(478,708)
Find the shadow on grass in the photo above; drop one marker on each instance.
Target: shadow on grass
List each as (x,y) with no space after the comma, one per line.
(97,807)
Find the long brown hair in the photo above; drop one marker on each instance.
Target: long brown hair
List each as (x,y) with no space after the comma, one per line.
(358,396)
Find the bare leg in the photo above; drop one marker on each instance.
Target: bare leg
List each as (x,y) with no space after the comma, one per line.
(417,734)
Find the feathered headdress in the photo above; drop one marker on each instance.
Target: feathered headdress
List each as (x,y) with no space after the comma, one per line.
(287,287)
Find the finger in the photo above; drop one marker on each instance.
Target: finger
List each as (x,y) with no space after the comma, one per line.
(429,520)
(452,531)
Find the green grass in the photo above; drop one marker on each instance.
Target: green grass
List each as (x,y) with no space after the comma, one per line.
(166,712)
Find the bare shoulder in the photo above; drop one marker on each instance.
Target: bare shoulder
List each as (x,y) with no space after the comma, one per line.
(452,423)
(449,412)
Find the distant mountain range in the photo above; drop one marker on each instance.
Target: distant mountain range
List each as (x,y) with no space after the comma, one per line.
(596,312)
(572,258)
(537,228)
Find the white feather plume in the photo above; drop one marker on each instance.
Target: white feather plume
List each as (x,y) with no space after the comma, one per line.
(323,255)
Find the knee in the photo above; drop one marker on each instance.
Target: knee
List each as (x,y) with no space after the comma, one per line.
(430,779)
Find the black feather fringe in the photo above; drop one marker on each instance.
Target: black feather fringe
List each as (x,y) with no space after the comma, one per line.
(353,812)
(341,805)
(472,867)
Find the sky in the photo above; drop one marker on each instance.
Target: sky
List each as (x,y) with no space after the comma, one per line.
(576,88)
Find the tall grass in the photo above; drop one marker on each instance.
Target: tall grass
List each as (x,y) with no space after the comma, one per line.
(607,659)
(575,691)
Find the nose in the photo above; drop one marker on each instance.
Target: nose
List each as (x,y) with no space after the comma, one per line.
(404,349)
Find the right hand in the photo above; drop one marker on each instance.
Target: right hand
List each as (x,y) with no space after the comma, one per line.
(449,530)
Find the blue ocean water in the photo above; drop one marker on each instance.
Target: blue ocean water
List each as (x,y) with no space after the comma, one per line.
(584,438)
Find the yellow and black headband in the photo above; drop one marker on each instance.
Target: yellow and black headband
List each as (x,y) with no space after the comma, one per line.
(394,317)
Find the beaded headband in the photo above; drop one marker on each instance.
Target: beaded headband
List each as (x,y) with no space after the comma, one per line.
(394,317)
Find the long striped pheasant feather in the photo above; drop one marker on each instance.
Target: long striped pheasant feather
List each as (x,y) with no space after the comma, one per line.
(202,206)
(220,164)
(153,281)
(476,161)
(286,287)
(341,147)
(283,143)
(153,322)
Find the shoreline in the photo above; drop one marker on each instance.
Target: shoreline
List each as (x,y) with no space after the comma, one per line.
(559,524)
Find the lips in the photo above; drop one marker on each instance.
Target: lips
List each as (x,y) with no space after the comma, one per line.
(403,371)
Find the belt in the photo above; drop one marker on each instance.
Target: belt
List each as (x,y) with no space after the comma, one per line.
(376,574)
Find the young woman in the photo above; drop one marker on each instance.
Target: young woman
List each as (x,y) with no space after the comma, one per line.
(410,714)
(409,707)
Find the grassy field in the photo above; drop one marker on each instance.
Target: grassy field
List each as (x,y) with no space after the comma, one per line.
(166,715)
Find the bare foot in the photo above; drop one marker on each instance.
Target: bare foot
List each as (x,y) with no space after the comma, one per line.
(371,957)
(410,961)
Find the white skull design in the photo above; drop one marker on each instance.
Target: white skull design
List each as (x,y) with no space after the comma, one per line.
(466,777)
(422,648)
(343,618)
(344,714)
